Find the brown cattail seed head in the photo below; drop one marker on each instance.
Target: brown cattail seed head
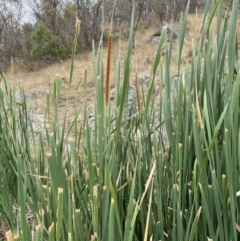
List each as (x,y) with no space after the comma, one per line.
(108,68)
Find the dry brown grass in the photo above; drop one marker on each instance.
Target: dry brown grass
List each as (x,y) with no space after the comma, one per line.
(143,57)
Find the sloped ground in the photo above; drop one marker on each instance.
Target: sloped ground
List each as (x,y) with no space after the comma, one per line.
(142,59)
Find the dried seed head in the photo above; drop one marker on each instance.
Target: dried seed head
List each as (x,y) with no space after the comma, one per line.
(60,190)
(9,235)
(108,68)
(94,237)
(86,173)
(48,154)
(78,25)
(95,191)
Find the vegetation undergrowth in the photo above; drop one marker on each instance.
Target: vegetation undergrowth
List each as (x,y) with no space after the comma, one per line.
(118,179)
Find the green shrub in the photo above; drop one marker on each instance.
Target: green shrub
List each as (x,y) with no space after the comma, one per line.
(47,45)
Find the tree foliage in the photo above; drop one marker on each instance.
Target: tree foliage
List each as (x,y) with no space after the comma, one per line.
(47,45)
(10,31)
(58,17)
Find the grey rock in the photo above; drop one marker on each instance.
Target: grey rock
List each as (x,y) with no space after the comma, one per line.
(33,98)
(170,30)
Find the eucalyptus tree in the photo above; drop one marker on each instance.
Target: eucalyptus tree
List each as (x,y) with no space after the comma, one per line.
(90,13)
(48,12)
(10,30)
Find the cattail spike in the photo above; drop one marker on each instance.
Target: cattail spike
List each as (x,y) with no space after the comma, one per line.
(78,25)
(108,69)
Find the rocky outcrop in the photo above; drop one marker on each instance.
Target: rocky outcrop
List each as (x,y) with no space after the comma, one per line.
(170,30)
(34,111)
(131,108)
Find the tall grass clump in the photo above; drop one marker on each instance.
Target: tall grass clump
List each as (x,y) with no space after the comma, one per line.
(122,178)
